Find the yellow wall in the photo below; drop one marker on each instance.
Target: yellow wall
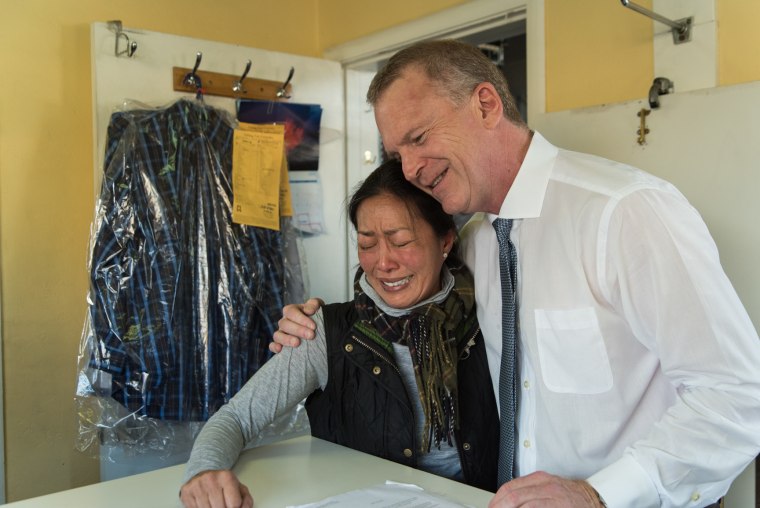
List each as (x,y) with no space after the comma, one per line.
(738,41)
(602,53)
(344,20)
(46,176)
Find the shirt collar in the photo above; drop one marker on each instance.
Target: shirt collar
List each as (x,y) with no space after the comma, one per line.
(447,284)
(526,195)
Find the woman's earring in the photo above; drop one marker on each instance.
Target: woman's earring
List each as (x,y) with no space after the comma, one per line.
(445,255)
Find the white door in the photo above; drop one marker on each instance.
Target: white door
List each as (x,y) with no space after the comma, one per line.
(146,77)
(363,150)
(704,142)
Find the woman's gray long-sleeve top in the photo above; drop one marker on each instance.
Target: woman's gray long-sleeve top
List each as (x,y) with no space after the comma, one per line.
(286,380)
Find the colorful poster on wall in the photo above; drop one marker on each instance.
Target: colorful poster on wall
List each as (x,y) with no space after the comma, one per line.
(301,123)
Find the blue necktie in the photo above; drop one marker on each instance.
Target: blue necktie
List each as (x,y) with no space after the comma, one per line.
(508,371)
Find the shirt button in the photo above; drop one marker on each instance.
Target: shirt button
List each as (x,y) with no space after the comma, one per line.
(466,446)
(407,452)
(695,497)
(526,443)
(376,370)
(526,384)
(349,347)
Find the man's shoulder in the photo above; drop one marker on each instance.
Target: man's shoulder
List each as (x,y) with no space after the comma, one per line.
(601,175)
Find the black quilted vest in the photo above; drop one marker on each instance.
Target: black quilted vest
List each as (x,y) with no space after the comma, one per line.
(365,405)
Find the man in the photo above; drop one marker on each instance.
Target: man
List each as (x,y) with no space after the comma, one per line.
(639,368)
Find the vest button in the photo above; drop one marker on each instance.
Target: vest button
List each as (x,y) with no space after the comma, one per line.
(376,370)
(466,446)
(349,347)
(407,452)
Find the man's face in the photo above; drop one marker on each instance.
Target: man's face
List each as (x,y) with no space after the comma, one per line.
(438,142)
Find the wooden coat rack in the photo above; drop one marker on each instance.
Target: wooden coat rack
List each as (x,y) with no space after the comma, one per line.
(229,85)
(214,83)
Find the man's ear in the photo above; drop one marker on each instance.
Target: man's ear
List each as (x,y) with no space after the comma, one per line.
(489,104)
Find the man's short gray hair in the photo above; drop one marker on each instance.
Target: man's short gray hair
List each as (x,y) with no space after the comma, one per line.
(455,67)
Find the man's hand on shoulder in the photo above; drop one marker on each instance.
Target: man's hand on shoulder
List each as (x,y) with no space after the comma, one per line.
(295,324)
(546,490)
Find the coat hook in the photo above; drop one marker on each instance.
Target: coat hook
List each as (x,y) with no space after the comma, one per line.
(131,46)
(237,86)
(282,92)
(115,26)
(660,86)
(191,78)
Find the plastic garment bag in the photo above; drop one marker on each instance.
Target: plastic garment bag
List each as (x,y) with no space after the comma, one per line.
(182,302)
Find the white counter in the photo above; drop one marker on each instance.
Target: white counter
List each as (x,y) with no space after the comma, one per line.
(295,471)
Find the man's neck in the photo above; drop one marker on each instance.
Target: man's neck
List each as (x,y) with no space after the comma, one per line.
(516,141)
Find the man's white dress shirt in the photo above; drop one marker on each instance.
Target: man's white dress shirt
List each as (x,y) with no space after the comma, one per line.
(640,368)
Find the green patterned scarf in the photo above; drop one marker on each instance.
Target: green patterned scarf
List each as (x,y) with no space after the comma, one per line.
(437,335)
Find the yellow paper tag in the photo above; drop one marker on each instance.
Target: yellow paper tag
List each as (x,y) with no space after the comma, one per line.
(256,167)
(286,204)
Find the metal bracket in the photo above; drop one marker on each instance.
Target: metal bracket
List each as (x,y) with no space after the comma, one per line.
(680,28)
(681,35)
(643,129)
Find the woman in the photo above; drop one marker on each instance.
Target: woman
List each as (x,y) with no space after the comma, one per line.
(407,347)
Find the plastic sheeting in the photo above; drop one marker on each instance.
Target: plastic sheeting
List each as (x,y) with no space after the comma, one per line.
(182,302)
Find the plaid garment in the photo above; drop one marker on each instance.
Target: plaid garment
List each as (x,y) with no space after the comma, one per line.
(182,302)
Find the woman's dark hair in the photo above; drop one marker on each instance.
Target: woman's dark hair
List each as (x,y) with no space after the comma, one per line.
(389,179)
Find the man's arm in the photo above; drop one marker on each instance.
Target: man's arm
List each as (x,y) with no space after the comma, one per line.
(295,324)
(664,275)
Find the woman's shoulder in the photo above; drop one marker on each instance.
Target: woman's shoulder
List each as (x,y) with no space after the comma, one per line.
(337,316)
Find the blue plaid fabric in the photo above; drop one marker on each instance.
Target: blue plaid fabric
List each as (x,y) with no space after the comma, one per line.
(183,302)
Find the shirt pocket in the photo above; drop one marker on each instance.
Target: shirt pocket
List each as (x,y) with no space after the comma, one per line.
(572,352)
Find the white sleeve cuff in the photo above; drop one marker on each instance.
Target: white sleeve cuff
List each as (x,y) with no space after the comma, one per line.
(624,484)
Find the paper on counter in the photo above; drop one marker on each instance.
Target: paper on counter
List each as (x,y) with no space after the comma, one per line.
(388,495)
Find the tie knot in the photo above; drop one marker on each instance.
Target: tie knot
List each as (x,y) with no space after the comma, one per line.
(502,227)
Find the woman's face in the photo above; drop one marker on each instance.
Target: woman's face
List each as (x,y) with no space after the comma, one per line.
(400,253)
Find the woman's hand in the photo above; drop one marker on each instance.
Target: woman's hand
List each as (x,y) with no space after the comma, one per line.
(215,489)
